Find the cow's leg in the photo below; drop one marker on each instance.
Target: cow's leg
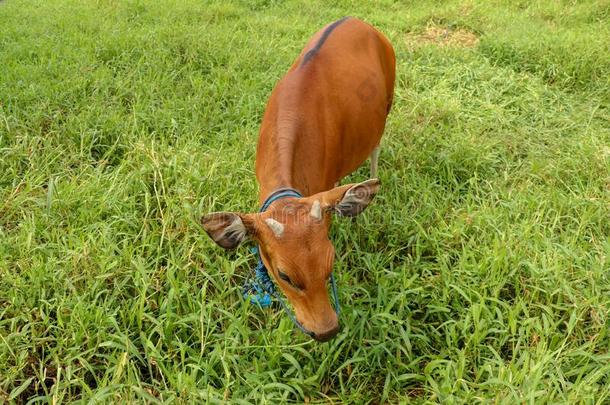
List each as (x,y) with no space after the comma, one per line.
(374,162)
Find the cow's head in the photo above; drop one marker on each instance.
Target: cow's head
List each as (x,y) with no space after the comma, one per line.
(294,246)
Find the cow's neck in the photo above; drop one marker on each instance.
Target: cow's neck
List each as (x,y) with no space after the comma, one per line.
(286,161)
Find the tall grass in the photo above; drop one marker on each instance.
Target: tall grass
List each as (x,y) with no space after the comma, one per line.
(479,274)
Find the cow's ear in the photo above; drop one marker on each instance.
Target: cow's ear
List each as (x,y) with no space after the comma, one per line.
(351,199)
(227,229)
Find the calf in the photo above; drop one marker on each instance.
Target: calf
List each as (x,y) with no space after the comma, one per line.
(322,121)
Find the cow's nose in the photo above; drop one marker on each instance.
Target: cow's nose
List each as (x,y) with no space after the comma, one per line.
(326,336)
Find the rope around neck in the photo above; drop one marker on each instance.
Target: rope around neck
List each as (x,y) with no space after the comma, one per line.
(260,289)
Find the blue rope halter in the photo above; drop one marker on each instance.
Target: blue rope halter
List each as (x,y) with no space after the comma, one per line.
(260,289)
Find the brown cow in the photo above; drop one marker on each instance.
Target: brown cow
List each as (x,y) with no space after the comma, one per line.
(324,118)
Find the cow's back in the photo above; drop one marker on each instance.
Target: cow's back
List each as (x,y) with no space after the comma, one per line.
(329,111)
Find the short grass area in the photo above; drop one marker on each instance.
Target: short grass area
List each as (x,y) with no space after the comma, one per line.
(481,273)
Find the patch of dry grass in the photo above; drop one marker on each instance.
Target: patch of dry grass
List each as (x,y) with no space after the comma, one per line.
(442,36)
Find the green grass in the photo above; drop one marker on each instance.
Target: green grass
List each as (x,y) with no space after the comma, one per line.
(481,273)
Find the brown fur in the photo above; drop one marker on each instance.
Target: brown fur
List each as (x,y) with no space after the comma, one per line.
(323,119)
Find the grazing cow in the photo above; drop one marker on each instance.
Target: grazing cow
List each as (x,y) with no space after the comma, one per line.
(325,117)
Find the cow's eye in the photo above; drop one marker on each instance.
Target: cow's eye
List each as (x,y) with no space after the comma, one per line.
(284,277)
(287,279)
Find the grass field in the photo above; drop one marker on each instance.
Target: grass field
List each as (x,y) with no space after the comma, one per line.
(481,273)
